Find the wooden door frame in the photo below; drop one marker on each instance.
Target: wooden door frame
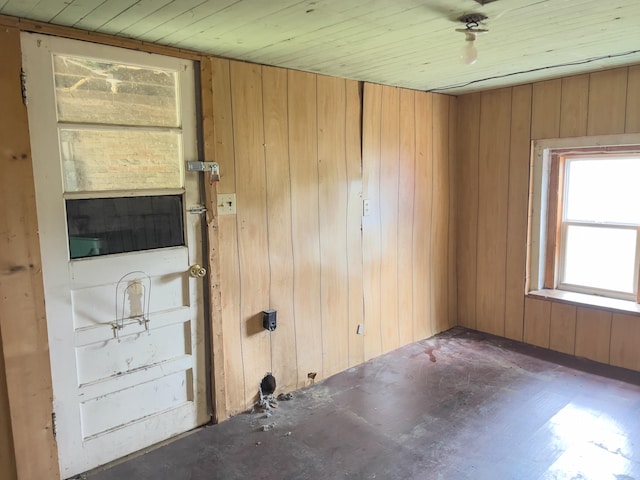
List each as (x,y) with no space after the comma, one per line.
(27,395)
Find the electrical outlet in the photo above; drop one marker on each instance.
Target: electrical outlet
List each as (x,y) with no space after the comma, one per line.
(365,208)
(226,204)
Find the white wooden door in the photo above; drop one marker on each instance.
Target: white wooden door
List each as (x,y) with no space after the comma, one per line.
(110,132)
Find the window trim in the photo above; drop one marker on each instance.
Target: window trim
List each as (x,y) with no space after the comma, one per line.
(545,212)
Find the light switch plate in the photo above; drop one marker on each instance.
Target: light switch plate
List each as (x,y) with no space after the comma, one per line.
(226,204)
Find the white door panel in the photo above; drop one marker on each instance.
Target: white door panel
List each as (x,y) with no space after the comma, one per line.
(125,329)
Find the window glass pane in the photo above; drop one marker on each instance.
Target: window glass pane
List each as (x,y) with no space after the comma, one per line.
(600,257)
(99,226)
(105,160)
(95,91)
(603,190)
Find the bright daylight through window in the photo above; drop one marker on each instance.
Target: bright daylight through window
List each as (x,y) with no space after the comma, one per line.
(600,225)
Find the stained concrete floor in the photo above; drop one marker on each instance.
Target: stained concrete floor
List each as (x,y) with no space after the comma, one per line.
(461,405)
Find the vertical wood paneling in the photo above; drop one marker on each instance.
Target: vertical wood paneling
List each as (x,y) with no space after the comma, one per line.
(7,455)
(562,333)
(632,123)
(574,106)
(354,220)
(468,133)
(371,246)
(303,154)
(422,215)
(212,253)
(440,215)
(607,102)
(517,211)
(545,109)
(389,176)
(625,338)
(597,103)
(453,209)
(228,237)
(23,326)
(593,334)
(537,318)
(405,215)
(493,180)
(253,242)
(283,339)
(333,194)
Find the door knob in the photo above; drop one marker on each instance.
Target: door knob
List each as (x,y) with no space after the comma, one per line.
(197,271)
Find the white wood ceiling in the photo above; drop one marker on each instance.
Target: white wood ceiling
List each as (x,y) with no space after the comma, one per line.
(408,43)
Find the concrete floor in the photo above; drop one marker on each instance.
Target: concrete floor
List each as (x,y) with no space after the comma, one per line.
(461,405)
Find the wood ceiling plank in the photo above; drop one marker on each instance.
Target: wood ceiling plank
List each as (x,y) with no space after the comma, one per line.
(162,16)
(75,10)
(186,24)
(103,14)
(46,10)
(134,13)
(19,8)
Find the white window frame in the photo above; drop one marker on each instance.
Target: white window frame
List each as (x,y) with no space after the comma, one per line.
(564,224)
(541,158)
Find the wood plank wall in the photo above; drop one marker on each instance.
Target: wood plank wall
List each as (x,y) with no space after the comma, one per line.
(25,384)
(289,147)
(408,238)
(288,144)
(494,131)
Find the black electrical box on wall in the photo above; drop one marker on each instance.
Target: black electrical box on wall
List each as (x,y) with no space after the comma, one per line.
(269,319)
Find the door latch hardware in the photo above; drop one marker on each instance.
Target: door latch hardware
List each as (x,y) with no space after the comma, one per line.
(212,167)
(197,209)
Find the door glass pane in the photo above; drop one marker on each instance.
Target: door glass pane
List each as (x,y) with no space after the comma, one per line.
(600,258)
(117,159)
(97,91)
(100,226)
(603,190)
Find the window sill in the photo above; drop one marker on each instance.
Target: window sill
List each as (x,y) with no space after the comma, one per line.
(581,299)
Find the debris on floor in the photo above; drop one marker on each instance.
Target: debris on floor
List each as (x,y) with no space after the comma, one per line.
(269,426)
